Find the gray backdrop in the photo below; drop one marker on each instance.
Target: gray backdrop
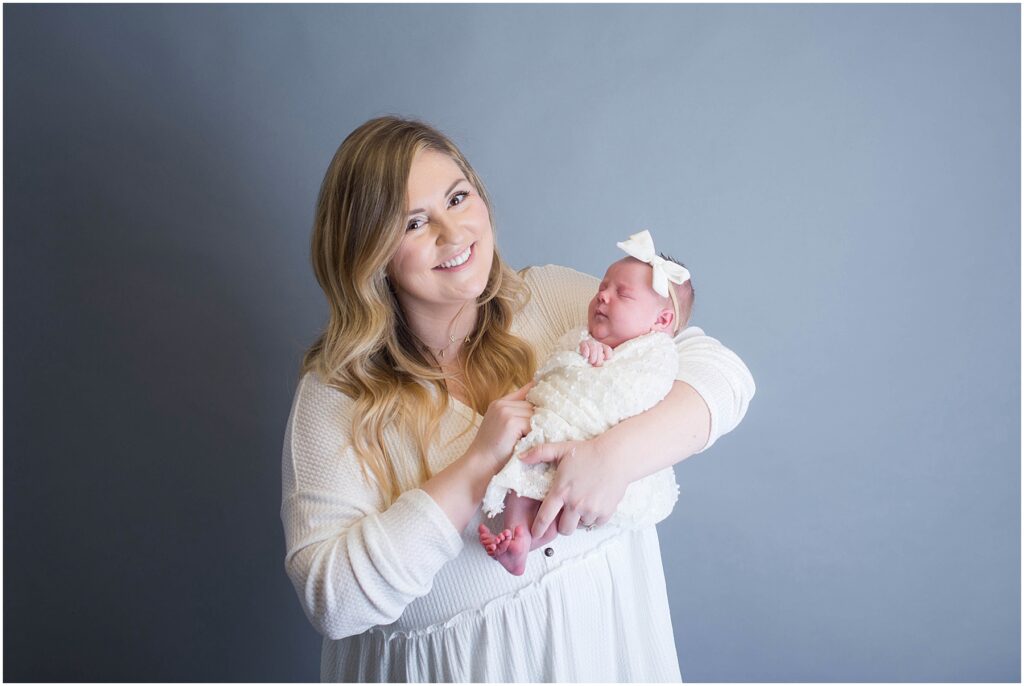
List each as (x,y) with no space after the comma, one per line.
(843,181)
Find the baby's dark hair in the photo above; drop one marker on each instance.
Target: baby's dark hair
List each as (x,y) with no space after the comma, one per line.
(684,295)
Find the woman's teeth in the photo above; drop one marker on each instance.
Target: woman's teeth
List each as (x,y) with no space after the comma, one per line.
(457,260)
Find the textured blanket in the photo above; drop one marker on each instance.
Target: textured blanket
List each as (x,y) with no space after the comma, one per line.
(575,402)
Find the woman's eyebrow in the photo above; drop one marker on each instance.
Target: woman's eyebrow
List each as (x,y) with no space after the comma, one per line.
(450,189)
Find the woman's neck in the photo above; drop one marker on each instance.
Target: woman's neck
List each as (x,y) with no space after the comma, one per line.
(443,331)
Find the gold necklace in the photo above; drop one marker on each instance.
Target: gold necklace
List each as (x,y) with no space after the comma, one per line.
(440,351)
(451,337)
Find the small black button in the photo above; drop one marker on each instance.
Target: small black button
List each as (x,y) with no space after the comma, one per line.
(549,551)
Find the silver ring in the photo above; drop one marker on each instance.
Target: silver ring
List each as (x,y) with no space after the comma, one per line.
(588,527)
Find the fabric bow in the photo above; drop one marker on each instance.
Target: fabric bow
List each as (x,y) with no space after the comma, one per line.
(641,246)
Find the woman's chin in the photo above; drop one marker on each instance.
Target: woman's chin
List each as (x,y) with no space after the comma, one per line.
(476,286)
(469,291)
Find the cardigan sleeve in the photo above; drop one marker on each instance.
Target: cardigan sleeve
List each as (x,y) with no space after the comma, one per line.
(354,564)
(720,377)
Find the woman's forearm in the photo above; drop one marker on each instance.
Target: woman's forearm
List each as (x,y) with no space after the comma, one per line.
(669,432)
(459,488)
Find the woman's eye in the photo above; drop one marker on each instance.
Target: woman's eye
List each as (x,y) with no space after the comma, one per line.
(458,198)
(414,224)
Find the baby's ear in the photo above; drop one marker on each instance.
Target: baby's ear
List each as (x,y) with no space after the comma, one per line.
(665,320)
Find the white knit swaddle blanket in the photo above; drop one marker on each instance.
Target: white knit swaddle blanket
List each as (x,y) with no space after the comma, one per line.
(575,402)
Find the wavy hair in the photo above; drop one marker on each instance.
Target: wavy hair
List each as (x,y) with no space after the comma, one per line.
(366,349)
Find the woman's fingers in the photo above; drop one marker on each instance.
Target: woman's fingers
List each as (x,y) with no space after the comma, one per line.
(548,452)
(568,521)
(520,393)
(589,520)
(546,514)
(594,493)
(506,420)
(520,410)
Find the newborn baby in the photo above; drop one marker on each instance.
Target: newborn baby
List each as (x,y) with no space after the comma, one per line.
(623,363)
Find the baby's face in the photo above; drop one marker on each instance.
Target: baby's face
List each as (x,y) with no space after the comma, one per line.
(626,306)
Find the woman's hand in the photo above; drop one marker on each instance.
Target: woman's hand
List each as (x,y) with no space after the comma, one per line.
(587,486)
(459,487)
(506,421)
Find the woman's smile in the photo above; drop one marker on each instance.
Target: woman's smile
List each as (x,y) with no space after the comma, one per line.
(458,262)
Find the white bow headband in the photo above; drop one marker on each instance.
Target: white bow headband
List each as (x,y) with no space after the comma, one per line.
(641,246)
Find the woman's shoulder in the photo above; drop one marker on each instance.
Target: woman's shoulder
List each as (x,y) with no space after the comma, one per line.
(554,276)
(314,391)
(319,409)
(560,291)
(558,301)
(690,333)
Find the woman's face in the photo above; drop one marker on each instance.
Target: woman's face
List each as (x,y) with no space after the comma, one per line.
(445,256)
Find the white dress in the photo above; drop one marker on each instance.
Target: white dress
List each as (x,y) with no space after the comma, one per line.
(400,595)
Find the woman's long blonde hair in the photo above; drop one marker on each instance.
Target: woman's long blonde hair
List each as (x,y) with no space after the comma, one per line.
(366,350)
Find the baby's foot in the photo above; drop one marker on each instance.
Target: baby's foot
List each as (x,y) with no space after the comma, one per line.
(494,544)
(513,554)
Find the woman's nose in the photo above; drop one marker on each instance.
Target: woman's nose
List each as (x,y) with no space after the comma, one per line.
(448,230)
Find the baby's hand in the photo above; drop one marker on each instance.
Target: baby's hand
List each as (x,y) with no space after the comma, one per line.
(595,352)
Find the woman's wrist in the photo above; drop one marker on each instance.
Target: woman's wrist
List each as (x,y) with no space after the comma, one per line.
(608,451)
(482,458)
(482,463)
(459,488)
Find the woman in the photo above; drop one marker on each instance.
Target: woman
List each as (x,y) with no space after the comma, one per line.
(409,403)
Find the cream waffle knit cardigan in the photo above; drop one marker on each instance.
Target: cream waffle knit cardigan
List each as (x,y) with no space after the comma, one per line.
(400,595)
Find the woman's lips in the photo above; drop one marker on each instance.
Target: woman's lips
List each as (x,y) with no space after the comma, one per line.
(472,254)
